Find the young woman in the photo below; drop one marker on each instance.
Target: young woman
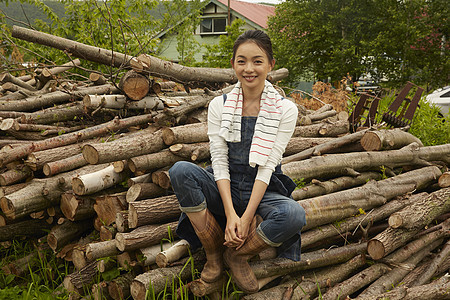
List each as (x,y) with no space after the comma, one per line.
(242,204)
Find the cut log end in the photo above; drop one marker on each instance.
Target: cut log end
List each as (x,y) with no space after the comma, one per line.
(90,154)
(198,288)
(133,193)
(168,136)
(138,290)
(375,249)
(120,242)
(395,221)
(161,260)
(7,207)
(78,186)
(371,142)
(52,241)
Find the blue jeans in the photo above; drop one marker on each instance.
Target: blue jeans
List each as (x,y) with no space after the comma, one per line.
(196,190)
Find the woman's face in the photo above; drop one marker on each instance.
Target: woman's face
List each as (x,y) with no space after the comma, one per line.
(251,65)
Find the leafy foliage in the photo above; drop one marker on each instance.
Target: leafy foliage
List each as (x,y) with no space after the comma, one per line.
(398,40)
(126,26)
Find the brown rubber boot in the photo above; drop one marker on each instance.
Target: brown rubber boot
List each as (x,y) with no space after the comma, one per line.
(212,238)
(236,260)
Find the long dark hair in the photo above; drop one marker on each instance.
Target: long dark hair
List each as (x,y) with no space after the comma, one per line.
(259,37)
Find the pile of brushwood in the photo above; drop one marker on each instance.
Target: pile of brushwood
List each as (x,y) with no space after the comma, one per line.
(84,170)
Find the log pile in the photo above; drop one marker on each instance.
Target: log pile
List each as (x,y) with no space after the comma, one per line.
(85,170)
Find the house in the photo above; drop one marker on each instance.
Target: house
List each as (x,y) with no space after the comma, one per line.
(215,17)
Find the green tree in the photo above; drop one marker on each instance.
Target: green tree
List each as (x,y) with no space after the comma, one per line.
(329,39)
(219,55)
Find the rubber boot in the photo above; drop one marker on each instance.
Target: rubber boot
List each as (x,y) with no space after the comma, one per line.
(237,260)
(212,239)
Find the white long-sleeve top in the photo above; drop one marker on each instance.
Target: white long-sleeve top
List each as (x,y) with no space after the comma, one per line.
(219,148)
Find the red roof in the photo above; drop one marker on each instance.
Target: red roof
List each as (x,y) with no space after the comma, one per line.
(257,13)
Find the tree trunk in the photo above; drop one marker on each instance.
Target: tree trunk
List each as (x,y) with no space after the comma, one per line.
(40,193)
(144,236)
(77,208)
(61,235)
(47,74)
(123,148)
(21,266)
(122,221)
(153,161)
(136,86)
(15,175)
(49,99)
(310,260)
(322,210)
(433,266)
(150,253)
(120,102)
(73,137)
(144,178)
(334,165)
(28,228)
(394,276)
(141,191)
(437,290)
(192,152)
(387,139)
(153,211)
(324,129)
(299,144)
(37,160)
(64,165)
(172,254)
(6,77)
(55,114)
(347,225)
(6,190)
(391,239)
(101,249)
(423,211)
(119,288)
(154,66)
(97,181)
(108,206)
(323,148)
(317,188)
(171,114)
(307,287)
(97,78)
(157,280)
(189,134)
(78,281)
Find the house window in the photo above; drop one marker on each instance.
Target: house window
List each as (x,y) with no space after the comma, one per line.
(213,25)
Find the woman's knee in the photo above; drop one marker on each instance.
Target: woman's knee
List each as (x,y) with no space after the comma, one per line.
(293,215)
(180,172)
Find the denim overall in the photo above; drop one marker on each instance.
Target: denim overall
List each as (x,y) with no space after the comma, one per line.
(196,190)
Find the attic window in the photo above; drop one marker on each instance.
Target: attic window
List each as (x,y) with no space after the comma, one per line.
(213,25)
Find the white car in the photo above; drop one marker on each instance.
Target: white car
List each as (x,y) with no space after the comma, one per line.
(441,99)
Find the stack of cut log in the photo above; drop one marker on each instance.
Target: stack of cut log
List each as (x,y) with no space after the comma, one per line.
(95,188)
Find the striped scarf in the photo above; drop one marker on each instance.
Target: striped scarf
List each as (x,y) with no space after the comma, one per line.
(266,127)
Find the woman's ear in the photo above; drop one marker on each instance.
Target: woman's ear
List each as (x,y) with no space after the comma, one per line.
(232,63)
(272,65)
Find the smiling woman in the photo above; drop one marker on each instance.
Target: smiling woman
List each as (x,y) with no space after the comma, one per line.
(242,204)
